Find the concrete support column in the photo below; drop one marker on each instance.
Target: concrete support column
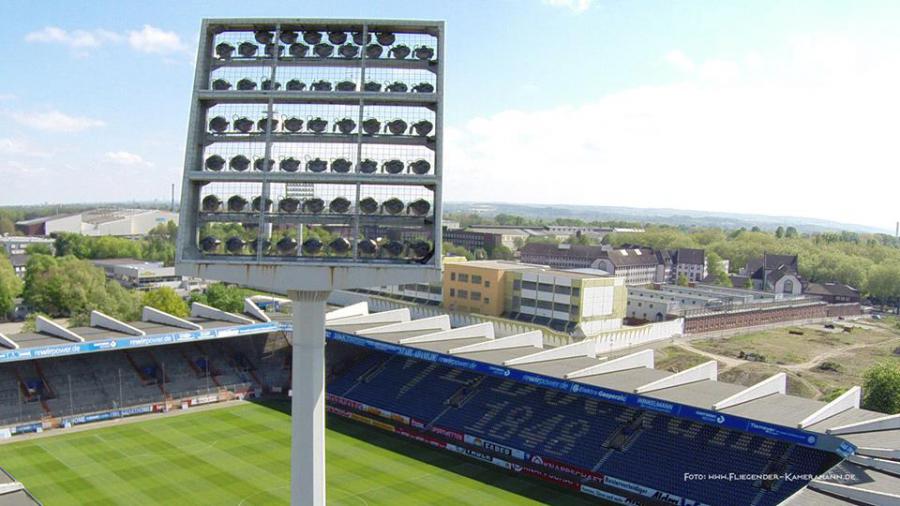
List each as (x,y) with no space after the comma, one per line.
(308,399)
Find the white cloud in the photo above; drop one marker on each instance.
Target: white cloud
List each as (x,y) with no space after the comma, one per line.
(55,121)
(22,147)
(680,61)
(717,140)
(126,158)
(572,5)
(75,39)
(154,40)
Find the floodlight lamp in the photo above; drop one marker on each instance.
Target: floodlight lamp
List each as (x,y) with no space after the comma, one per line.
(424,53)
(340,205)
(397,87)
(271,49)
(423,128)
(215,163)
(368,166)
(298,50)
(367,247)
(289,36)
(396,127)
(358,38)
(243,125)
(258,201)
(255,243)
(345,126)
(423,88)
(323,50)
(346,86)
(340,245)
(224,50)
(237,204)
(385,38)
(418,207)
(337,38)
(341,165)
(211,203)
(393,206)
(218,124)
(312,37)
(221,85)
(371,126)
(263,165)
(320,85)
(420,167)
(209,243)
(248,49)
(290,165)
(264,36)
(317,125)
(372,86)
(400,51)
(368,205)
(234,245)
(287,245)
(394,248)
(348,51)
(263,124)
(314,205)
(270,85)
(239,163)
(246,85)
(289,205)
(373,51)
(295,85)
(312,246)
(293,124)
(420,249)
(392,166)
(316,165)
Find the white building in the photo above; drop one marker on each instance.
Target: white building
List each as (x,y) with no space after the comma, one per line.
(142,275)
(99,222)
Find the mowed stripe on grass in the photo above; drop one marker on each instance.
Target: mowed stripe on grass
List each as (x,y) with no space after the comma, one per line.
(241,456)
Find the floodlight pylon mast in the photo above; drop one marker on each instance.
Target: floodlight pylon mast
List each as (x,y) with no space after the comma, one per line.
(308,398)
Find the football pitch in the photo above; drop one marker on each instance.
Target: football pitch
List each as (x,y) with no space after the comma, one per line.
(240,455)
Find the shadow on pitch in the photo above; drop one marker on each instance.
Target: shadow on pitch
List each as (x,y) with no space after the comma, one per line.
(457,464)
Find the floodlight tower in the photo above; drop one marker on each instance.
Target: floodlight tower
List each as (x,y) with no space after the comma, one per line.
(304,174)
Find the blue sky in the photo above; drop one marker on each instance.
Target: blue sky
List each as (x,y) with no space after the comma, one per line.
(772,107)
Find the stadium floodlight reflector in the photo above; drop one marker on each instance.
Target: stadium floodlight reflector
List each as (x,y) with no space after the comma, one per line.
(348,51)
(423,88)
(289,165)
(295,85)
(397,87)
(422,128)
(373,218)
(400,51)
(341,165)
(218,124)
(368,166)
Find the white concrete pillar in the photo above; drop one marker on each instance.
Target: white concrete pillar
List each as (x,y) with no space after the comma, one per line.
(308,399)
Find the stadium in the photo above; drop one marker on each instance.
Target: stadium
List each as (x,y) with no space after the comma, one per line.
(415,405)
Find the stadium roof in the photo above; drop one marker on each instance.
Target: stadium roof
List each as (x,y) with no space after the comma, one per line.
(13,493)
(870,441)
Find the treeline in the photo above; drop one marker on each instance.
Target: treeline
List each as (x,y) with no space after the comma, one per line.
(503,219)
(158,245)
(869,262)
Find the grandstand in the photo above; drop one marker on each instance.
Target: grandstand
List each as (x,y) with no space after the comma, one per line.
(612,426)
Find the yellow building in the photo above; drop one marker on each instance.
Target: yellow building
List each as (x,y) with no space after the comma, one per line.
(479,286)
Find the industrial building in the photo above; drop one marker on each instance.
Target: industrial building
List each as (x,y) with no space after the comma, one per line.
(144,275)
(16,248)
(99,222)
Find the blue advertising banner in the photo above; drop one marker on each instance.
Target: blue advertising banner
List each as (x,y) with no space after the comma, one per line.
(789,434)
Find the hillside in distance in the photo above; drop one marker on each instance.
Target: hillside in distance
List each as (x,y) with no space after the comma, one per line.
(675,217)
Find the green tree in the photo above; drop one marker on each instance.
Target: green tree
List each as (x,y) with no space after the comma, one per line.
(7,226)
(791,233)
(10,286)
(451,249)
(779,232)
(223,296)
(683,280)
(166,300)
(501,252)
(715,270)
(884,284)
(39,249)
(882,388)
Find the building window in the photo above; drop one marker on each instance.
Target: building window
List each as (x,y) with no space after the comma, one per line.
(487,284)
(527,302)
(463,278)
(487,300)
(452,276)
(476,279)
(576,292)
(529,285)
(544,304)
(463,294)
(476,296)
(563,290)
(452,292)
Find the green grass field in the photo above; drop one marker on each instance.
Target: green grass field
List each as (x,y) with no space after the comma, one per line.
(240,456)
